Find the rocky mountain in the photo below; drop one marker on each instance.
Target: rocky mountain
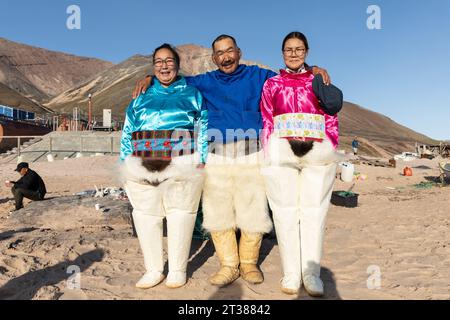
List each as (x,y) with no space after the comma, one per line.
(39,74)
(11,98)
(111,89)
(378,134)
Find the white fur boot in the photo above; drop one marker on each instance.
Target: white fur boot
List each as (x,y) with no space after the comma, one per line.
(313,285)
(150,234)
(315,193)
(286,216)
(180,228)
(287,229)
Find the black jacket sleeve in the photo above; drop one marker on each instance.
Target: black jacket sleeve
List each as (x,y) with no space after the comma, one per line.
(29,181)
(330,97)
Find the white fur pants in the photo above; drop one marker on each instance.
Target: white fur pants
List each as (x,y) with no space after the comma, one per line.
(177,199)
(234,194)
(300,200)
(299,196)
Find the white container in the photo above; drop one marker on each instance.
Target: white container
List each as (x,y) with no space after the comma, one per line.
(79,155)
(50,158)
(347,172)
(97,207)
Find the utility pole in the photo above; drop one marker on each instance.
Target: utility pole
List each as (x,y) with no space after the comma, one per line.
(90,112)
(76,118)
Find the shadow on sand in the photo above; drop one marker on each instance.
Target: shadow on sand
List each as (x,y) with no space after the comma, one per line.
(27,285)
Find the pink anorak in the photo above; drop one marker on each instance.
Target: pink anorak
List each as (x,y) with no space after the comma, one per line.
(289,93)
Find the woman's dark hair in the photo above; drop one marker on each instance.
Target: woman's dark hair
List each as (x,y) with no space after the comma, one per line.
(171,49)
(296,35)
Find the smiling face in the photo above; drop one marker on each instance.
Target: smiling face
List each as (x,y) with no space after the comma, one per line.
(165,67)
(294,53)
(226,55)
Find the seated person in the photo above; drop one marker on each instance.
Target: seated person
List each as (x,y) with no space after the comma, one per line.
(30,186)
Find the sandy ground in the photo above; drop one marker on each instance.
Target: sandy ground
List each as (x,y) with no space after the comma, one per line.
(394,245)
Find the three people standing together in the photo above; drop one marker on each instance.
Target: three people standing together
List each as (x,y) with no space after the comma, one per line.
(227,110)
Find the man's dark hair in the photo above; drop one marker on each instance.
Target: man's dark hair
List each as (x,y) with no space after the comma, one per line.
(296,35)
(171,49)
(221,37)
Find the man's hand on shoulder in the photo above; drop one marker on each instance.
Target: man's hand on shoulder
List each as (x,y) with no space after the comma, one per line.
(323,73)
(141,86)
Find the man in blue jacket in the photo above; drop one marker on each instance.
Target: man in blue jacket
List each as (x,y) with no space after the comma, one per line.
(234,195)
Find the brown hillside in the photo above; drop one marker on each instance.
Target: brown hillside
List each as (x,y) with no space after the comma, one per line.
(40,74)
(13,99)
(111,89)
(376,130)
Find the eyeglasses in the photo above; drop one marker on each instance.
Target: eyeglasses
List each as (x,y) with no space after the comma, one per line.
(159,63)
(297,51)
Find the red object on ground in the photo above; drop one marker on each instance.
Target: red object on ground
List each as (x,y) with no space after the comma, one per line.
(407,171)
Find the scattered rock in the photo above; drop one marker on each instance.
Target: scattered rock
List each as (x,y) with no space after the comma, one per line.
(13,245)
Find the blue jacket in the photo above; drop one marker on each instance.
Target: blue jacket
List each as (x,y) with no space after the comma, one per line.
(177,107)
(232,101)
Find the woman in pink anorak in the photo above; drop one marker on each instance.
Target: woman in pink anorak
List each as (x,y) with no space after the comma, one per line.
(300,141)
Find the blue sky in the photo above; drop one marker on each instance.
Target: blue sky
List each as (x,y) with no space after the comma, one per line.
(401,70)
